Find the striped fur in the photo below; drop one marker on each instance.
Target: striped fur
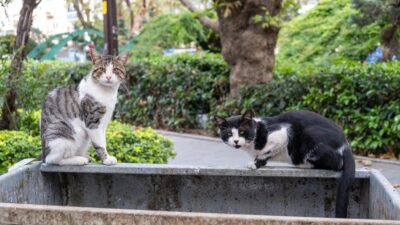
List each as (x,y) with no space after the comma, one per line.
(76,116)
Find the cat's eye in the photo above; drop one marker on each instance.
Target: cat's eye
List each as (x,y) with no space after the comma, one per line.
(241,132)
(99,71)
(119,73)
(229,134)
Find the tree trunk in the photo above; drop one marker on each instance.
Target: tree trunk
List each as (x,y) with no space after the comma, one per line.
(139,18)
(131,16)
(390,44)
(23,29)
(153,11)
(247,46)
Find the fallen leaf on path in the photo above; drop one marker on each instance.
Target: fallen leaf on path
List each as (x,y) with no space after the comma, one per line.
(366,162)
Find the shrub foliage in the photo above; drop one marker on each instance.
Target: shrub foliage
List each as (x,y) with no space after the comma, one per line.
(129,145)
(178,92)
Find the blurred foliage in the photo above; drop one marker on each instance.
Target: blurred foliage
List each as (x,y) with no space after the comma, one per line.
(325,34)
(15,146)
(172,31)
(7,44)
(382,12)
(386,15)
(28,121)
(288,11)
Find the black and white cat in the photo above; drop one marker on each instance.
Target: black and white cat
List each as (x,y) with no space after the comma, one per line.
(297,137)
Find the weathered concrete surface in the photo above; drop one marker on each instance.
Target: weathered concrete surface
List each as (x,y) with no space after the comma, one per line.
(28,185)
(49,215)
(384,201)
(277,191)
(284,191)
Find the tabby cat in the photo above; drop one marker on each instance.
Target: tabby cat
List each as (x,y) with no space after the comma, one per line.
(76,116)
(296,137)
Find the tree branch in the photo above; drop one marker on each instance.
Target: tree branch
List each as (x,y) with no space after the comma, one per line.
(206,21)
(76,4)
(131,16)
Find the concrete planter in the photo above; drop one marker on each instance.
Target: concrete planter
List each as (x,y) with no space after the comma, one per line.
(165,194)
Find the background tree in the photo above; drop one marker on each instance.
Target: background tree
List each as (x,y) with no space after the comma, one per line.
(386,14)
(84,11)
(249,31)
(21,40)
(131,15)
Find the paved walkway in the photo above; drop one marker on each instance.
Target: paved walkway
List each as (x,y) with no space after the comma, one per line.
(197,150)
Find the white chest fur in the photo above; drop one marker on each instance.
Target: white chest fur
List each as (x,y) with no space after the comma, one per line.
(107,96)
(276,147)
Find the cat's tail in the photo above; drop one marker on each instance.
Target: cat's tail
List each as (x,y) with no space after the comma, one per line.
(346,180)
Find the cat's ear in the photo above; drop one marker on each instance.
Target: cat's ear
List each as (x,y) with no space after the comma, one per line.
(220,121)
(123,57)
(93,54)
(248,115)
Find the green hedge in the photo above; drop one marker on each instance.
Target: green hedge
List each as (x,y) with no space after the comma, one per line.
(166,92)
(142,145)
(174,92)
(171,92)
(129,145)
(15,146)
(364,99)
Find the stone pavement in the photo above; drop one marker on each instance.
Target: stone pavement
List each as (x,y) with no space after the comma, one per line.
(198,150)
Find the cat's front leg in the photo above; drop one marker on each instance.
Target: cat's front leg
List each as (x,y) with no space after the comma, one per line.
(257,163)
(260,162)
(251,165)
(98,137)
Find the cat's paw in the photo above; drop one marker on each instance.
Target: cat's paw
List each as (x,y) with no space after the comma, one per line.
(251,165)
(89,159)
(85,160)
(110,160)
(74,161)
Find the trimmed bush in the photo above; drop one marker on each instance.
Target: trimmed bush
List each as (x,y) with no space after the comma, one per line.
(364,99)
(166,92)
(41,77)
(15,146)
(173,92)
(142,145)
(129,145)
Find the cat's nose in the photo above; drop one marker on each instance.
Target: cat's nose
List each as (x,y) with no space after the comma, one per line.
(108,77)
(236,141)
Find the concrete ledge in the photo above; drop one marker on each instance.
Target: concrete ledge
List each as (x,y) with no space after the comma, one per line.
(40,214)
(20,164)
(165,169)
